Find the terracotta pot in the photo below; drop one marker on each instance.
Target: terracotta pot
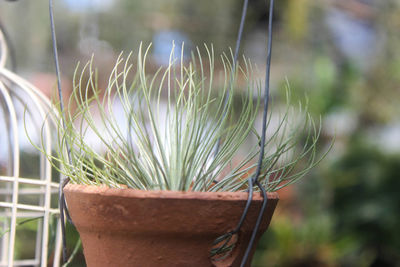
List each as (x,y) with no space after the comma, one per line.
(126,227)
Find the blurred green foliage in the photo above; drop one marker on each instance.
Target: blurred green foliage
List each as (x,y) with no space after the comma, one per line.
(357,226)
(366,205)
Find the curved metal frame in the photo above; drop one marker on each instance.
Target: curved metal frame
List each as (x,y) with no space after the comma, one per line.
(12,87)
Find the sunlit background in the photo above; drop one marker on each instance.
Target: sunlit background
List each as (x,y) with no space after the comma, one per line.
(343,55)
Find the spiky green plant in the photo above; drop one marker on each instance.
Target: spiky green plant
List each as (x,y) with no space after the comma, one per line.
(176,119)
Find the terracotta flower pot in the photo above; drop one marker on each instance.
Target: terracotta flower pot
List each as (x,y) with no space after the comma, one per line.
(126,227)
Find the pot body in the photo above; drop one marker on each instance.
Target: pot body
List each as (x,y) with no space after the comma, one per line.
(127,227)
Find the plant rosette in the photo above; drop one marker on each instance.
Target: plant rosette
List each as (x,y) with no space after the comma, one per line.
(172,176)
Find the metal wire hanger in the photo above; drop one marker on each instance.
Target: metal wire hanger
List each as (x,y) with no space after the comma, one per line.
(226,238)
(251,181)
(64,182)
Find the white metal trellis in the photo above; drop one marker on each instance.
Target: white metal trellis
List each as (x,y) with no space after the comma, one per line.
(18,95)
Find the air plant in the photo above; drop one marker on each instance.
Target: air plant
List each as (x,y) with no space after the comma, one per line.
(182,128)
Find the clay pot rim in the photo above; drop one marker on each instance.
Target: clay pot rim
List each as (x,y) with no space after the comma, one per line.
(104,190)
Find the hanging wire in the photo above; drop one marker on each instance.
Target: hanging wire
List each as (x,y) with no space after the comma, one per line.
(64,182)
(264,128)
(226,238)
(262,144)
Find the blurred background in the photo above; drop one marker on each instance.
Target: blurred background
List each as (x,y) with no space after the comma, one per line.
(344,55)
